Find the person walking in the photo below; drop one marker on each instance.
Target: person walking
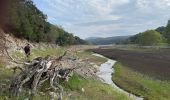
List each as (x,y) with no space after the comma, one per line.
(27,50)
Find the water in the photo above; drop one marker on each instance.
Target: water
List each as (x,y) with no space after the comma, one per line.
(105,72)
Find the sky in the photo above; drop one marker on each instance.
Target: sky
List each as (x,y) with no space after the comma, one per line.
(106,18)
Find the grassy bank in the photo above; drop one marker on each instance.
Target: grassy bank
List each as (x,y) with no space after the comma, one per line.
(140,84)
(88,56)
(39,53)
(93,89)
(85,55)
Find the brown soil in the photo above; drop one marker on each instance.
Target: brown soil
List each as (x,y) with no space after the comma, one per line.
(153,63)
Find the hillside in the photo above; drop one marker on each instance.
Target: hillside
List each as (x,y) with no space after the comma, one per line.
(108,40)
(23,19)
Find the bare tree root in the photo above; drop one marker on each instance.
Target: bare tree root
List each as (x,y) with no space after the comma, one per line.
(40,70)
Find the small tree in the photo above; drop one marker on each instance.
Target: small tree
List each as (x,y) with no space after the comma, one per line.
(167,32)
(150,37)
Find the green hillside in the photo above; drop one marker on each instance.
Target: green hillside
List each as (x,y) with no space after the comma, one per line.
(108,40)
(24,20)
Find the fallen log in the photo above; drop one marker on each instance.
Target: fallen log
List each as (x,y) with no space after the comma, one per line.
(40,70)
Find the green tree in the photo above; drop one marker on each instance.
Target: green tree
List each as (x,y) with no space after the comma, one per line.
(161,30)
(24,20)
(149,37)
(167,32)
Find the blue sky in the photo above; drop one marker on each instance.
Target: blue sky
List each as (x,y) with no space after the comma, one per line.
(105,18)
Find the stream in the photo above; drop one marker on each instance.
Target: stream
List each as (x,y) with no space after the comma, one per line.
(105,72)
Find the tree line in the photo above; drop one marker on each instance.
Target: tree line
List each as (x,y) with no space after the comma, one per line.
(24,20)
(152,37)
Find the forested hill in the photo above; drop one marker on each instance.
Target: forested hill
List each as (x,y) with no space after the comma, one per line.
(108,40)
(160,35)
(24,20)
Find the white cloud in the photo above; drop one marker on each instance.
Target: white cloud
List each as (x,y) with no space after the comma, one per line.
(151,4)
(102,7)
(84,9)
(88,18)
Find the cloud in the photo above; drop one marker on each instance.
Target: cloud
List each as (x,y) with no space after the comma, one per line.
(96,23)
(103,7)
(83,9)
(86,18)
(150,4)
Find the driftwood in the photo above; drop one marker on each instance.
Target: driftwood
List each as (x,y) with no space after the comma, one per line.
(34,73)
(39,70)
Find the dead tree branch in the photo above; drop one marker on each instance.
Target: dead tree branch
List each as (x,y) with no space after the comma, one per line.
(40,70)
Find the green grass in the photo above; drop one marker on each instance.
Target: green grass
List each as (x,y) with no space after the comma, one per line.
(88,55)
(5,75)
(38,53)
(140,84)
(47,51)
(93,90)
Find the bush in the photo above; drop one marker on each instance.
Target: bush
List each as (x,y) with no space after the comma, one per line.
(149,37)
